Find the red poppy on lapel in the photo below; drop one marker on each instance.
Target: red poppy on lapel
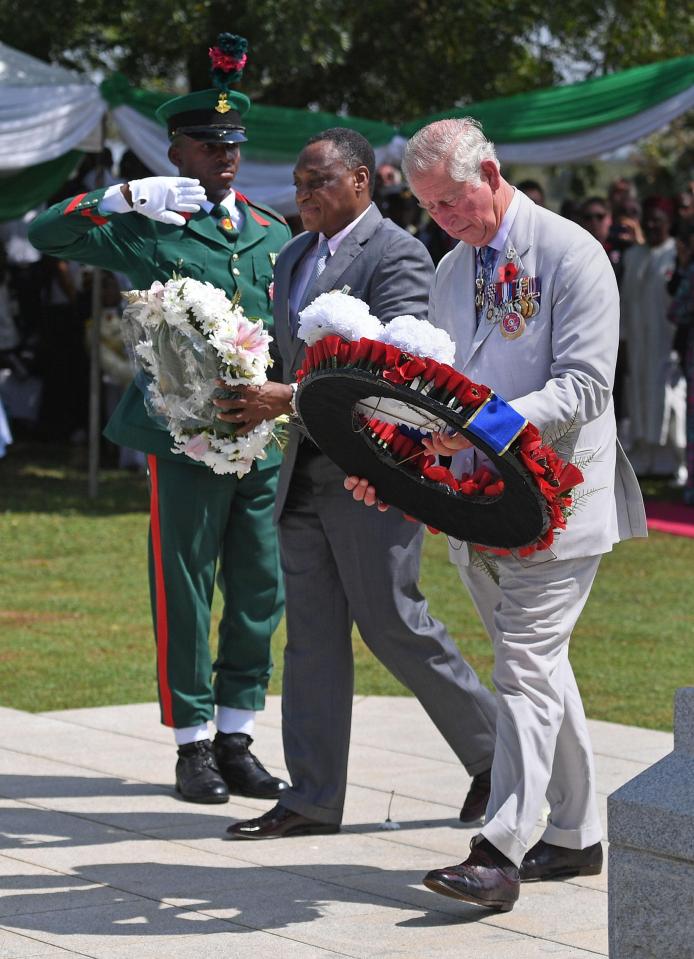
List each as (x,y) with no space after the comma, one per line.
(508,272)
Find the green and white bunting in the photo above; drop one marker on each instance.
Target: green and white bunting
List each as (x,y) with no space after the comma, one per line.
(46,113)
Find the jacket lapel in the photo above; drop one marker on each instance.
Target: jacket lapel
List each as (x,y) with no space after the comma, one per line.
(204,226)
(284,273)
(253,231)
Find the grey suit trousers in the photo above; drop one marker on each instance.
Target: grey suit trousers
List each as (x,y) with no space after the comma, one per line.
(543,745)
(344,563)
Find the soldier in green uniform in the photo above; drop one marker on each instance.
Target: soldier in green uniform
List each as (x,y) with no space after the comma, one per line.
(200,523)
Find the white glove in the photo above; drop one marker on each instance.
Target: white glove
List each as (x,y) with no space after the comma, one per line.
(158,196)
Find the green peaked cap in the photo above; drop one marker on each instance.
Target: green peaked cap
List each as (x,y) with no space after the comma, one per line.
(213,115)
(208,115)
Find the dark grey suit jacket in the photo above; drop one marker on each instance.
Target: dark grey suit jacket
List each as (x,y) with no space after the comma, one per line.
(381,264)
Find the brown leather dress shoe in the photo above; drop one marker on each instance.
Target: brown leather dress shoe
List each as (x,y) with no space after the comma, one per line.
(486,878)
(475,804)
(545,861)
(279,822)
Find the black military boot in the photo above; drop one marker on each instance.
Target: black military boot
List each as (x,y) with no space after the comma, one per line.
(243,772)
(197,774)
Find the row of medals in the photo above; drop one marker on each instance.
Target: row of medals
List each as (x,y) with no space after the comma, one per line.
(510,313)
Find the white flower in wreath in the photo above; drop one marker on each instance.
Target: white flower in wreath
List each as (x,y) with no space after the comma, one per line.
(174,304)
(145,350)
(197,447)
(341,314)
(209,305)
(243,346)
(148,313)
(186,335)
(420,338)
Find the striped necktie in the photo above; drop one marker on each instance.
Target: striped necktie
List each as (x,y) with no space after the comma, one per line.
(223,220)
(483,282)
(322,257)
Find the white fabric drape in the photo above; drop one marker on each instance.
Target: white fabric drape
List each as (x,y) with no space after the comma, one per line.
(41,123)
(598,140)
(146,138)
(45,111)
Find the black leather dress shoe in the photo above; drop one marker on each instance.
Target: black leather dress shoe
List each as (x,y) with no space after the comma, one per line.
(486,878)
(197,775)
(279,822)
(243,772)
(545,861)
(475,804)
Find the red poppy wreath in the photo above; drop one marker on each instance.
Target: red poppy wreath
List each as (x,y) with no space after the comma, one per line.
(367,395)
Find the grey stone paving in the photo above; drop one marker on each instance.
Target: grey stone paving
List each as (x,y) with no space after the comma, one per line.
(99,859)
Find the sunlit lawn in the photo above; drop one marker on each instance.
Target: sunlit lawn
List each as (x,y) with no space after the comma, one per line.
(74,610)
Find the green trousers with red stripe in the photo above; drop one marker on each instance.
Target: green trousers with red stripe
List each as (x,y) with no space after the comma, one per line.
(202,524)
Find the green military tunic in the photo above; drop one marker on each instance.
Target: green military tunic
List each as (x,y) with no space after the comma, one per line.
(200,523)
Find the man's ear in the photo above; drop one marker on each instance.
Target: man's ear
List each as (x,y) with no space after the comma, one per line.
(489,172)
(361,179)
(174,154)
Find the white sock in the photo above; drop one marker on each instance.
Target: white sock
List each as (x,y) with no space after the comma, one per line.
(232,720)
(191,734)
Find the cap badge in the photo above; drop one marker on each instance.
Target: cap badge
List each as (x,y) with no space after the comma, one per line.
(222,105)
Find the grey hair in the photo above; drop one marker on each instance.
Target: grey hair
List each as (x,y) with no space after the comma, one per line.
(459,144)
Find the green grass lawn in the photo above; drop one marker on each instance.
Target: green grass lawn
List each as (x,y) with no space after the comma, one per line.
(74,610)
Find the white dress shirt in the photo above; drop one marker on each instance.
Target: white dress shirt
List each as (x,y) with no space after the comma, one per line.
(305,269)
(498,241)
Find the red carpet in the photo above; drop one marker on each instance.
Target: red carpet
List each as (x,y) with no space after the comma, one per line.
(672,518)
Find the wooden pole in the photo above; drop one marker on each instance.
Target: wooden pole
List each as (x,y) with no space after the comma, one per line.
(94,354)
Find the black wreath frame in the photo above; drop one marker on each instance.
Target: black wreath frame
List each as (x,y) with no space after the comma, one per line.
(326,401)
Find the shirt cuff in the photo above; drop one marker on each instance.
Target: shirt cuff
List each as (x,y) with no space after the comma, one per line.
(113,201)
(292,399)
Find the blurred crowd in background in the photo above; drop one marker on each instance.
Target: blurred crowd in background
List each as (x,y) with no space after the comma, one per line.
(46,305)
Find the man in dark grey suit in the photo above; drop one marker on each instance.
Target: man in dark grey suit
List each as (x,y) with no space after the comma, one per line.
(339,565)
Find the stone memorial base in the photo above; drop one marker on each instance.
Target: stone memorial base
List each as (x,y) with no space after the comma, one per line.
(650,825)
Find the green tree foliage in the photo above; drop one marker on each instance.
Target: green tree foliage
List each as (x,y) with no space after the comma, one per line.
(616,34)
(386,59)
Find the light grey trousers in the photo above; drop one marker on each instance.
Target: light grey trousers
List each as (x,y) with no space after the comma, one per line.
(344,563)
(543,747)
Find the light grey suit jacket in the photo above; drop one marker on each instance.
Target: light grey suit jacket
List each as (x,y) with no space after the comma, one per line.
(381,264)
(559,371)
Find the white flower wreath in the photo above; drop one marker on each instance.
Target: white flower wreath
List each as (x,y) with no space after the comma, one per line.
(341,315)
(185,335)
(338,314)
(420,338)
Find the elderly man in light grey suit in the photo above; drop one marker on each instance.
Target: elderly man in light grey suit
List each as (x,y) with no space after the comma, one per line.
(554,362)
(339,565)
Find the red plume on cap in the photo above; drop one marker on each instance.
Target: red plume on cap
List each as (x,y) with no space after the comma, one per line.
(228,59)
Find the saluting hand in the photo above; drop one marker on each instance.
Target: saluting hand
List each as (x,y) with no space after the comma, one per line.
(159,197)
